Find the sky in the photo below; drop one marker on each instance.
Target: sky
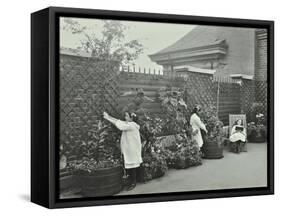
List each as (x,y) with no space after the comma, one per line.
(153,36)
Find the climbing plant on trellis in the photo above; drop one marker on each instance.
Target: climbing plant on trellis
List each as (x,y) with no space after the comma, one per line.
(198,89)
(87,88)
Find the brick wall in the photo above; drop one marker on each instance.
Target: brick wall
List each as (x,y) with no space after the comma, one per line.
(261,55)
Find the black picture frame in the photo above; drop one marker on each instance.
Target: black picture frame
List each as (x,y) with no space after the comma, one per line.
(45,112)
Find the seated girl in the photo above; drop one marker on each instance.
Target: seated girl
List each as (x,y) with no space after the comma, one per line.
(238,136)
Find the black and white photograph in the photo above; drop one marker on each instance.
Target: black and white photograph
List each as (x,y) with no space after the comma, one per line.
(151,108)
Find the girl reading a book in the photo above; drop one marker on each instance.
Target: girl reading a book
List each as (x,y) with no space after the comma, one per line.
(238,136)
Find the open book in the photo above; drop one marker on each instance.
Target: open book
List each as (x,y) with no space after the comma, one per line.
(239,128)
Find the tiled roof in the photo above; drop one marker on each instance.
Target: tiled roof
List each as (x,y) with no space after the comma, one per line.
(240,42)
(199,36)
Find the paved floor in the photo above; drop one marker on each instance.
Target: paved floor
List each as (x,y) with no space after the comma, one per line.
(247,169)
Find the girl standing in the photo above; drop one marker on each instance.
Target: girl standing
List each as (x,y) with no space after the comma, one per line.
(130,144)
(197,125)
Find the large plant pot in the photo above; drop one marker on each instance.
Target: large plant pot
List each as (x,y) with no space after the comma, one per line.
(184,164)
(255,138)
(145,174)
(212,148)
(67,181)
(102,182)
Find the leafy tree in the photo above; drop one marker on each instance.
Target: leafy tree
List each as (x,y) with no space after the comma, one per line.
(111,45)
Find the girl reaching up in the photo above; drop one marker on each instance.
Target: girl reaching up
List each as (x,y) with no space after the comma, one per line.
(130,144)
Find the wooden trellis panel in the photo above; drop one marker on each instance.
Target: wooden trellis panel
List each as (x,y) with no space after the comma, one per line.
(261,94)
(87,88)
(199,89)
(247,98)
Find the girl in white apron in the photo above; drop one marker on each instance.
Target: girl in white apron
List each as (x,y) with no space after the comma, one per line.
(130,144)
(197,125)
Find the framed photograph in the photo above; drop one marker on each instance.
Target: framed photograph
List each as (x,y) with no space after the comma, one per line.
(138,107)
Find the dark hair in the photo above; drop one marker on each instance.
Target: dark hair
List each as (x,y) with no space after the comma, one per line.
(133,116)
(196,109)
(236,122)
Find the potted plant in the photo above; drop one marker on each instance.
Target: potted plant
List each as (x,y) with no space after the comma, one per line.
(98,166)
(67,179)
(213,141)
(174,109)
(182,153)
(154,163)
(154,166)
(256,131)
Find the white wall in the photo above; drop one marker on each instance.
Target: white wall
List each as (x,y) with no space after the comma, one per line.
(15,106)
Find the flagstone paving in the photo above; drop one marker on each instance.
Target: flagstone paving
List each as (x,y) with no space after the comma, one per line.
(247,169)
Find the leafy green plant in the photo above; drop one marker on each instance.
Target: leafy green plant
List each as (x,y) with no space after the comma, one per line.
(175,111)
(112,44)
(213,125)
(154,166)
(88,166)
(256,132)
(100,149)
(183,153)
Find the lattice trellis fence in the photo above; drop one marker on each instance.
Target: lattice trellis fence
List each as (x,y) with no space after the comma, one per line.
(253,93)
(261,95)
(199,89)
(247,98)
(206,90)
(87,88)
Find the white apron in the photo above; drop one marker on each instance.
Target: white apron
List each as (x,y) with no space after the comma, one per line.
(196,125)
(130,143)
(237,135)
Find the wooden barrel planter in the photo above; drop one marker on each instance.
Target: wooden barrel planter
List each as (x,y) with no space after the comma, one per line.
(102,182)
(144,174)
(256,138)
(212,148)
(67,181)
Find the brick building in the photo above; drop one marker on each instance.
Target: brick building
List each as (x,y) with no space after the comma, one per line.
(228,51)
(237,53)
(261,55)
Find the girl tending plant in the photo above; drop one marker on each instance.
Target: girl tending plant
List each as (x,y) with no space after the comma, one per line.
(130,143)
(197,125)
